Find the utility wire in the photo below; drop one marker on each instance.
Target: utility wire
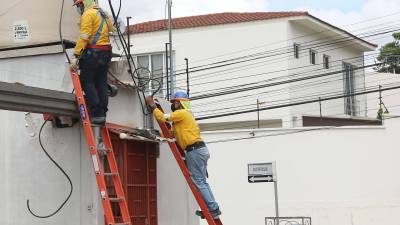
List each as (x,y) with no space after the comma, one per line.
(41,144)
(286,40)
(239,89)
(284,50)
(62,170)
(276,92)
(282,133)
(298,103)
(240,68)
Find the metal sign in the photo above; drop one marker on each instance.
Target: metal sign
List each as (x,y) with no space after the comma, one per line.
(261,172)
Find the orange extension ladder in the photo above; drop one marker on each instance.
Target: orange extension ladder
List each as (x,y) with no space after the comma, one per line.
(102,143)
(179,154)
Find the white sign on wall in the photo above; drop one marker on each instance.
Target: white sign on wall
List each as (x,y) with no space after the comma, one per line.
(21,31)
(261,172)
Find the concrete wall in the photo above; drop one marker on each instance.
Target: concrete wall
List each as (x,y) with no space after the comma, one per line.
(25,170)
(344,176)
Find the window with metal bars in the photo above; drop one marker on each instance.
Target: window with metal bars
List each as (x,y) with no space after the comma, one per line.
(350,103)
(313,57)
(326,61)
(296,50)
(153,69)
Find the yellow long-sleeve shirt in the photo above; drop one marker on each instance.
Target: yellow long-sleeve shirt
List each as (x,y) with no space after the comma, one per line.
(185,128)
(89,25)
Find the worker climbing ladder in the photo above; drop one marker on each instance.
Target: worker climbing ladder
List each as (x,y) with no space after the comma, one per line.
(179,155)
(99,143)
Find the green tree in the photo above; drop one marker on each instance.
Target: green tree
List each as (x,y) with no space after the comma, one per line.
(389,56)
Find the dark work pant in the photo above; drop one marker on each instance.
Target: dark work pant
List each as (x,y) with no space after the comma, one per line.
(94,68)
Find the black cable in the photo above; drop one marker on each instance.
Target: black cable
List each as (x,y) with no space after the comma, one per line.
(304,48)
(234,91)
(285,41)
(286,50)
(129,58)
(119,10)
(301,86)
(60,31)
(62,170)
(40,139)
(284,133)
(213,74)
(297,103)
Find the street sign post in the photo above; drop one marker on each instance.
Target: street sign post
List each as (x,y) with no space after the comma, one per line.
(265,172)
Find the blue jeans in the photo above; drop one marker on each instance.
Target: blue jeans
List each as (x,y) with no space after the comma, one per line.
(196,161)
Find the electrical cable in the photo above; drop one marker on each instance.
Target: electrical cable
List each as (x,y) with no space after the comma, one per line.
(240,68)
(302,86)
(286,40)
(130,61)
(240,89)
(288,49)
(298,103)
(241,126)
(41,144)
(62,170)
(283,133)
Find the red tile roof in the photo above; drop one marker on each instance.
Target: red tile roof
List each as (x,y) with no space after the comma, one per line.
(209,20)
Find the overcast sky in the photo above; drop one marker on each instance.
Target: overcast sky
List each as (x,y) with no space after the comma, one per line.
(340,13)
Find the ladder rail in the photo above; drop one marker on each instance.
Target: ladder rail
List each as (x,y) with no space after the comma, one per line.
(95,158)
(116,179)
(178,156)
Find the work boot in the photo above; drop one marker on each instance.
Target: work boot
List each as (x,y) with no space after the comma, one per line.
(215,213)
(101,121)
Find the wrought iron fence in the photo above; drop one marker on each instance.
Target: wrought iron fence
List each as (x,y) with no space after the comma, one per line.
(287,220)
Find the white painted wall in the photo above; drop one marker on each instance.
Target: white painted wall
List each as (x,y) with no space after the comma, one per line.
(341,51)
(344,176)
(25,171)
(389,98)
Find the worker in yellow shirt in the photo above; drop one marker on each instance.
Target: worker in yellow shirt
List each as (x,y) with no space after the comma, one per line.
(92,54)
(187,135)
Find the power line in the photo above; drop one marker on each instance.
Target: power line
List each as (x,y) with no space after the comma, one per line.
(234,91)
(282,133)
(242,107)
(298,103)
(243,67)
(288,49)
(294,38)
(241,126)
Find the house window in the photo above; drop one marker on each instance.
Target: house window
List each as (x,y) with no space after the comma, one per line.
(326,61)
(313,56)
(349,89)
(296,48)
(152,74)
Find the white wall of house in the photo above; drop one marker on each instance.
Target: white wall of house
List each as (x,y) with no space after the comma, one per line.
(209,44)
(339,51)
(201,43)
(342,175)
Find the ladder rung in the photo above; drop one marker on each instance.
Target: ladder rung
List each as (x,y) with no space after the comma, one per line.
(110,174)
(121,224)
(116,199)
(101,149)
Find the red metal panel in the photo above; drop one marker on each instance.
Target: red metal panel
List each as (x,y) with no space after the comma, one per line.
(138,161)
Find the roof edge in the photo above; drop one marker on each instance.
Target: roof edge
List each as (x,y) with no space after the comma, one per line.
(371,45)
